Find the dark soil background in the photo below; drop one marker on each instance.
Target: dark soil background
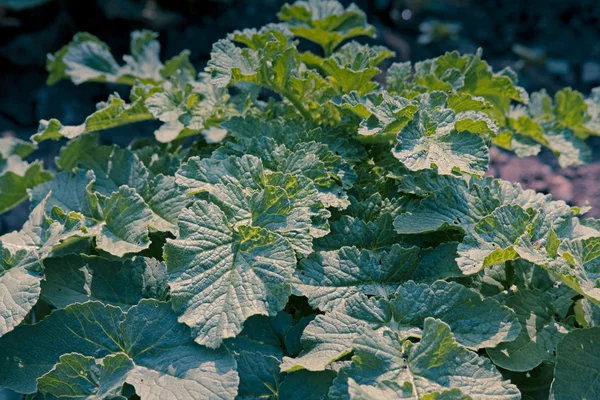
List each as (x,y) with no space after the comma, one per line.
(550,43)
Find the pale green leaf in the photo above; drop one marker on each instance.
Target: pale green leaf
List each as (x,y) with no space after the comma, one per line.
(42,233)
(382,115)
(115,112)
(11,146)
(283,204)
(352,67)
(578,266)
(19,289)
(220,276)
(438,138)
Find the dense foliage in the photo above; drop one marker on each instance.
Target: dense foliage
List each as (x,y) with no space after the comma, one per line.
(299,230)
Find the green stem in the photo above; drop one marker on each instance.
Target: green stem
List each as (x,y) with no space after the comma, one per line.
(296,102)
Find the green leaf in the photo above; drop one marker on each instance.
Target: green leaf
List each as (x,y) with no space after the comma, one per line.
(390,389)
(269,60)
(115,112)
(352,67)
(328,171)
(199,175)
(11,146)
(561,125)
(328,278)
(452,206)
(283,204)
(470,74)
(111,167)
(77,376)
(16,177)
(40,236)
(19,289)
(185,105)
(539,335)
(435,364)
(119,222)
(295,385)
(263,334)
(188,107)
(70,192)
(350,231)
(495,239)
(220,276)
(259,375)
(438,138)
(166,360)
(79,278)
(474,321)
(87,59)
(576,372)
(578,266)
(326,23)
(125,226)
(382,115)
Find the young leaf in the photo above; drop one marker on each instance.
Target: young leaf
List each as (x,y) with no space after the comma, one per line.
(438,138)
(326,22)
(115,112)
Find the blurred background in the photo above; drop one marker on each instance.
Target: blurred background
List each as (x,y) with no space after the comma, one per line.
(550,43)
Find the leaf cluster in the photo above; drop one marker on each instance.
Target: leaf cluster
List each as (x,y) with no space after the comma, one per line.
(298,230)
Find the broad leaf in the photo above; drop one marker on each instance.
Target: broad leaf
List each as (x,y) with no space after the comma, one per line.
(219,276)
(434,364)
(576,372)
(87,59)
(79,278)
(77,376)
(331,277)
(166,360)
(539,335)
(17,176)
(441,139)
(330,336)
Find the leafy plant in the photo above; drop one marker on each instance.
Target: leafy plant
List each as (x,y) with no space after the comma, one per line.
(297,230)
